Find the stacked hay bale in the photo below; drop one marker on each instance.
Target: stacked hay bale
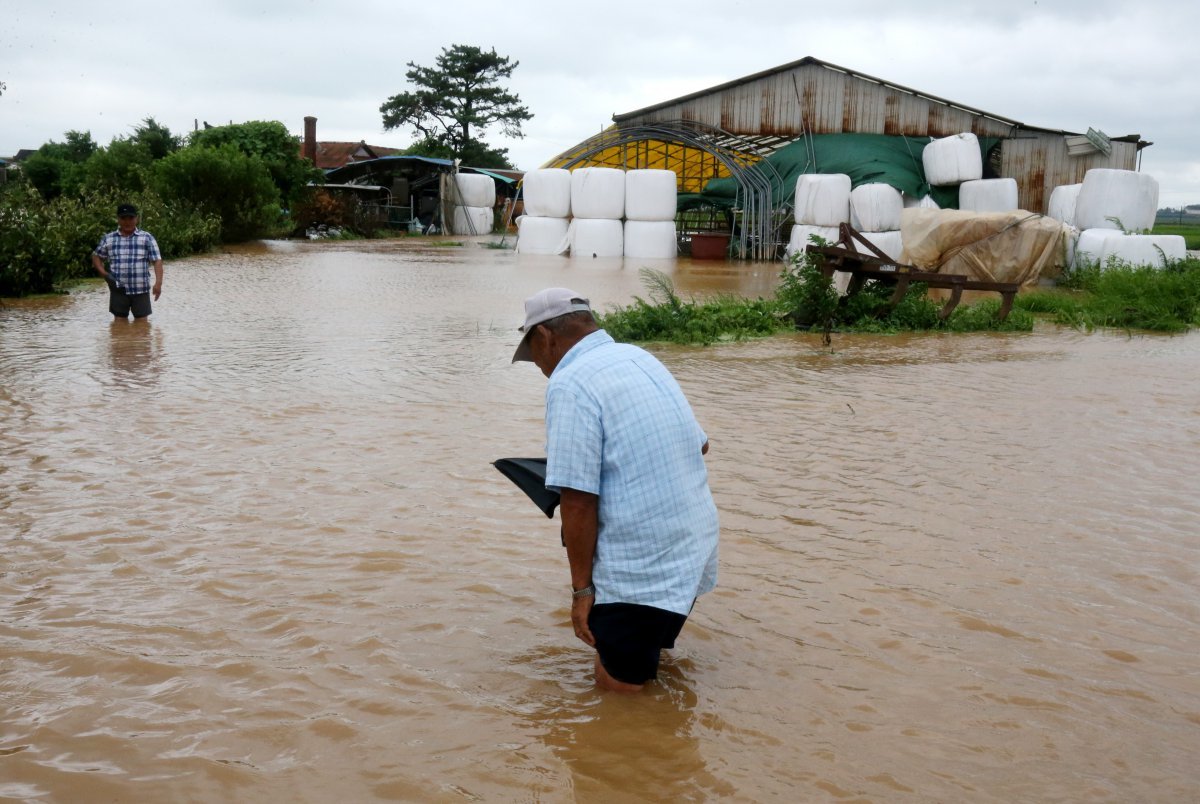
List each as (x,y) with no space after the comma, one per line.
(1104,209)
(957,161)
(952,160)
(547,199)
(474,202)
(988,195)
(598,206)
(650,205)
(875,212)
(822,204)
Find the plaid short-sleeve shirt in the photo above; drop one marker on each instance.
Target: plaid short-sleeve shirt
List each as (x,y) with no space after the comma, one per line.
(129,259)
(618,426)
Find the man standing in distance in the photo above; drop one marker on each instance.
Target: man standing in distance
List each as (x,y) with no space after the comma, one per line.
(626,454)
(129,253)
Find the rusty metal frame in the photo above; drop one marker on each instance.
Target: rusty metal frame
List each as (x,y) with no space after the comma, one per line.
(758,236)
(878,266)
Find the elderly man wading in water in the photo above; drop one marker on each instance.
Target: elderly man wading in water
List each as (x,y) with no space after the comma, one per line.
(130,254)
(626,454)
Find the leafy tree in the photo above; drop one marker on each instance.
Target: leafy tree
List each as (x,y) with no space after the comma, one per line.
(157,139)
(458,97)
(225,181)
(56,168)
(120,168)
(273,146)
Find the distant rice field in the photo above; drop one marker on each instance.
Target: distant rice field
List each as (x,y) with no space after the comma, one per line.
(1189,228)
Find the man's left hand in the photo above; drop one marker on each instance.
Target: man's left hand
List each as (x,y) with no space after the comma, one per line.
(157,291)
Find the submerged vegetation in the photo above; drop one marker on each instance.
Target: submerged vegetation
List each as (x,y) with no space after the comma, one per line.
(1117,296)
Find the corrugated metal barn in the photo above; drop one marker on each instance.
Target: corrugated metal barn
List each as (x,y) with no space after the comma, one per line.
(721,131)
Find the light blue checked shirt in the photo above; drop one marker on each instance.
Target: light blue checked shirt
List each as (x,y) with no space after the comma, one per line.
(618,425)
(129,259)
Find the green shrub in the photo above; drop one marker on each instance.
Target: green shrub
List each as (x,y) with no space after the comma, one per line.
(223,180)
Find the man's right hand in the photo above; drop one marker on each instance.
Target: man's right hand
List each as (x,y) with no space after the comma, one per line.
(581,607)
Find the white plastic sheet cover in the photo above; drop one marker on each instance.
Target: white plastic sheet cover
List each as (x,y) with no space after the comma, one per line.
(598,192)
(1115,199)
(822,199)
(889,243)
(801,233)
(473,220)
(1013,246)
(988,195)
(539,235)
(547,192)
(650,195)
(952,160)
(597,237)
(475,190)
(1062,203)
(651,240)
(1104,245)
(875,208)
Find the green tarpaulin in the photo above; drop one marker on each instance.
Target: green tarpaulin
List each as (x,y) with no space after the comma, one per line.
(865,158)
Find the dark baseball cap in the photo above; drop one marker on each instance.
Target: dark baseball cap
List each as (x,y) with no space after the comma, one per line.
(126,210)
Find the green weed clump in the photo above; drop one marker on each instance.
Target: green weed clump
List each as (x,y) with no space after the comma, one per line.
(1121,296)
(666,317)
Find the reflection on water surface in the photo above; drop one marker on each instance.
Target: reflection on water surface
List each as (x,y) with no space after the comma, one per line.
(254,549)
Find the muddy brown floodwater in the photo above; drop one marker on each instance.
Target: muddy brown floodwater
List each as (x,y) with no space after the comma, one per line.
(256,551)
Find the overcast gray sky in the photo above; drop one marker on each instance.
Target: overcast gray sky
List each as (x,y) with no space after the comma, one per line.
(1120,67)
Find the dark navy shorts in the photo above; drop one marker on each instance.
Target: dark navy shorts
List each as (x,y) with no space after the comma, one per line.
(121,303)
(629,638)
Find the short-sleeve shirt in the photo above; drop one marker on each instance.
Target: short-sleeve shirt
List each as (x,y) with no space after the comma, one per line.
(619,426)
(129,259)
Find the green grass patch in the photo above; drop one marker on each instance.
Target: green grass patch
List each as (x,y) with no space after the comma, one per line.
(1123,297)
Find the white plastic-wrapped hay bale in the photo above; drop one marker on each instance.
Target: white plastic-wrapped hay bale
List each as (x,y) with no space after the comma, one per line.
(1116,199)
(650,240)
(596,237)
(952,160)
(474,190)
(598,192)
(924,202)
(472,220)
(887,242)
(875,208)
(539,235)
(1102,246)
(1062,203)
(650,195)
(1147,250)
(988,195)
(801,234)
(1091,247)
(822,199)
(547,192)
